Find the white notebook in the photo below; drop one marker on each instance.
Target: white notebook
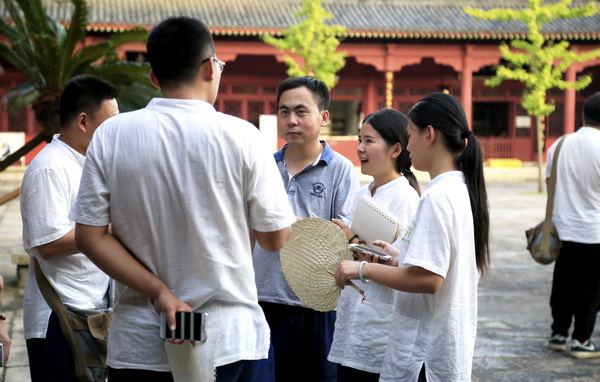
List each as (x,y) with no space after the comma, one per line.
(371,223)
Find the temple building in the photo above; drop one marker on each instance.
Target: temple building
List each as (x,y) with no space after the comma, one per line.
(397,52)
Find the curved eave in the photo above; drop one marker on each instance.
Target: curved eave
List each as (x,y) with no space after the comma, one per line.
(108,28)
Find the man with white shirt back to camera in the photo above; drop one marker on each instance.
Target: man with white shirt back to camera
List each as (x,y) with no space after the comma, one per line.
(48,191)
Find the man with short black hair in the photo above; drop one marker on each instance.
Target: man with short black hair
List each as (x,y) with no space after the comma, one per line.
(575,297)
(48,191)
(182,186)
(319,182)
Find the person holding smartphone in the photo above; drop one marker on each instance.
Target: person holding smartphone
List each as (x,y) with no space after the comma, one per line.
(442,253)
(182,186)
(362,327)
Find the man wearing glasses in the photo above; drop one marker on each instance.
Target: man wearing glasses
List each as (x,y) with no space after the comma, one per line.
(182,186)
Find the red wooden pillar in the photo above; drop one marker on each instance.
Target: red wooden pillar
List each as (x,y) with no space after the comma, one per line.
(569,116)
(466,88)
(370,100)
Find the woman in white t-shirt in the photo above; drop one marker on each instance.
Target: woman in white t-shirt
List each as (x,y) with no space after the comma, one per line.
(442,253)
(362,327)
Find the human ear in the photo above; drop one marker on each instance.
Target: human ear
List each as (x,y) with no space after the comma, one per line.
(324,117)
(82,122)
(154,79)
(397,150)
(430,134)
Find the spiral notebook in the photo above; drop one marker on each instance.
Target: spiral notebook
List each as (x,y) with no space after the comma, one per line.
(371,223)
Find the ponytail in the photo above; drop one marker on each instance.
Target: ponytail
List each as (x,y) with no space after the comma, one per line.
(412,180)
(445,113)
(471,164)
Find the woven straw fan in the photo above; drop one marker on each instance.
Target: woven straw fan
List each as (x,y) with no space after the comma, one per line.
(309,260)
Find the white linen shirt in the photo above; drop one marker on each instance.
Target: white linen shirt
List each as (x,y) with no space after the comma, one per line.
(576,213)
(362,328)
(48,191)
(437,329)
(182,184)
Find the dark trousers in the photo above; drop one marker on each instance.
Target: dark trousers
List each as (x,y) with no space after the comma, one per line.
(349,374)
(242,371)
(301,339)
(422,376)
(50,358)
(576,290)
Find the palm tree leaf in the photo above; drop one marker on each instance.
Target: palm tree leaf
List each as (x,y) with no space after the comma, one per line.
(137,34)
(124,67)
(22,100)
(20,63)
(9,31)
(125,73)
(35,15)
(15,15)
(136,96)
(76,30)
(44,56)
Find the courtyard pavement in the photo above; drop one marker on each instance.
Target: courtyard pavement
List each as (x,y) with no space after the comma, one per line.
(514,316)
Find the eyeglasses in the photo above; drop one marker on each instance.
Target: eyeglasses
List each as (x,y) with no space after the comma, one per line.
(219,62)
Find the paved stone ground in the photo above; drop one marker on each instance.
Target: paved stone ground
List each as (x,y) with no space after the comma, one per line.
(514,317)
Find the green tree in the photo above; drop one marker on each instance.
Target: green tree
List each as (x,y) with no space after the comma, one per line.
(49,54)
(538,63)
(314,41)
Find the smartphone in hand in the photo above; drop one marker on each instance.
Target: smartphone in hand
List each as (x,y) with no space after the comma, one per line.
(363,249)
(190,326)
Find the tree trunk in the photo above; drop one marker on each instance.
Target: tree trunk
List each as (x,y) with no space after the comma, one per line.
(12,158)
(540,133)
(47,111)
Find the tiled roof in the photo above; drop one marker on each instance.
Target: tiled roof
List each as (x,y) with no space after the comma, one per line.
(362,18)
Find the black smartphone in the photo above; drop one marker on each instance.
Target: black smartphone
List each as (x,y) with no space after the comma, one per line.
(189,326)
(363,249)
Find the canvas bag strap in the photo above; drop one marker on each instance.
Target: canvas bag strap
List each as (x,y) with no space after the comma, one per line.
(64,319)
(552,184)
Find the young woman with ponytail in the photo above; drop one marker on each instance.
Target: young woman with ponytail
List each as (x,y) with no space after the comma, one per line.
(441,255)
(362,327)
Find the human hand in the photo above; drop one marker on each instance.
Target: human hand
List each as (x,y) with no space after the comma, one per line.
(6,342)
(168,303)
(388,249)
(347,231)
(347,270)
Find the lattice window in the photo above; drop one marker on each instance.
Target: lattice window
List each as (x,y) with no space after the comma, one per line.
(233,108)
(273,107)
(404,107)
(255,109)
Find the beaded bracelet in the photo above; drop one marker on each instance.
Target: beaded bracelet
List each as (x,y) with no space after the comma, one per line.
(352,238)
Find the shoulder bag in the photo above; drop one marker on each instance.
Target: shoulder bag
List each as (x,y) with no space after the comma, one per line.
(543,242)
(86,332)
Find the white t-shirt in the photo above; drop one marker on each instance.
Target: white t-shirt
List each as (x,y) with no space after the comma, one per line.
(437,329)
(182,184)
(576,214)
(48,191)
(362,328)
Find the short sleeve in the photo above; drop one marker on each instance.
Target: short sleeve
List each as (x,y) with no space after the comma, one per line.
(430,237)
(45,205)
(549,158)
(92,206)
(268,206)
(345,195)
